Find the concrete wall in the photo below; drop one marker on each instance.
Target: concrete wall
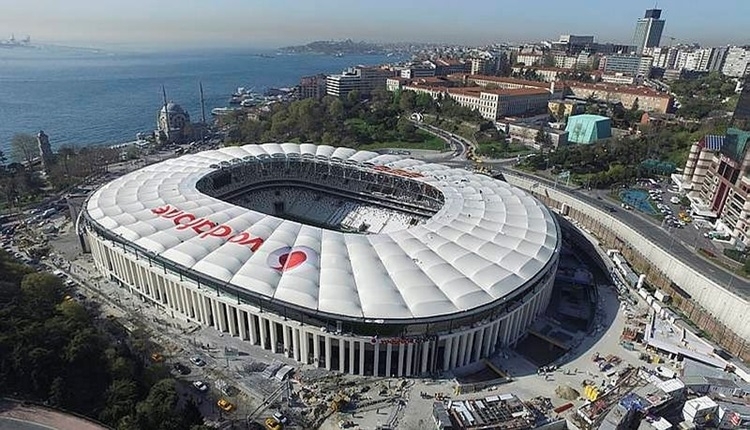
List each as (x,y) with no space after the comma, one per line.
(727,307)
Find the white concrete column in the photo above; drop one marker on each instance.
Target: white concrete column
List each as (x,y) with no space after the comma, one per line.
(487,340)
(376,359)
(174,298)
(170,297)
(342,356)
(409,358)
(274,335)
(243,324)
(316,349)
(388,353)
(516,325)
(458,351)
(253,328)
(222,316)
(362,357)
(195,310)
(201,305)
(303,346)
(263,324)
(400,363)
(216,314)
(479,344)
(327,342)
(447,351)
(469,347)
(287,341)
(182,293)
(462,340)
(425,356)
(231,316)
(182,300)
(295,344)
(352,348)
(206,302)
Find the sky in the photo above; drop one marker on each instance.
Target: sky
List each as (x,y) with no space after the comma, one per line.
(275,23)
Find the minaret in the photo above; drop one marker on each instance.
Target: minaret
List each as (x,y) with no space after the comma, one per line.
(166,114)
(203,114)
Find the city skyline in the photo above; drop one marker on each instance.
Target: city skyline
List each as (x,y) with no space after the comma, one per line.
(270,24)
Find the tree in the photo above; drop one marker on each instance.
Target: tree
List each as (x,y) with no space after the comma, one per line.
(543,138)
(157,410)
(24,148)
(548,60)
(122,397)
(407,102)
(406,129)
(634,108)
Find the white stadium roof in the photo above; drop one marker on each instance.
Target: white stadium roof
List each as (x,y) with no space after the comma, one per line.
(488,240)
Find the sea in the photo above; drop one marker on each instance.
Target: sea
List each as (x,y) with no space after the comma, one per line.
(94,97)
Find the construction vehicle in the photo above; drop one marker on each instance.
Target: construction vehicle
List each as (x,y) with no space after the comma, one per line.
(339,402)
(273,424)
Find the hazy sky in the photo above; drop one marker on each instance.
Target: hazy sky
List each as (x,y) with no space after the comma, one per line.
(273,23)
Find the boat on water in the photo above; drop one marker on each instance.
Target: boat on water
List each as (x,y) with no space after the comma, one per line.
(219,111)
(250,102)
(243,94)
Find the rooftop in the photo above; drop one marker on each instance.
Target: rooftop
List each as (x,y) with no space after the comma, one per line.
(499,80)
(614,88)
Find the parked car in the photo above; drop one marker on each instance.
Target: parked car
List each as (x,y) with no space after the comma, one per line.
(225,404)
(197,361)
(200,386)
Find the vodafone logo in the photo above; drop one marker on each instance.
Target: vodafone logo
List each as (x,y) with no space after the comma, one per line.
(289,258)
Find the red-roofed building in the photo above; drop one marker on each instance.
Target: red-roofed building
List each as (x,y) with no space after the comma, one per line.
(490,103)
(647,99)
(447,66)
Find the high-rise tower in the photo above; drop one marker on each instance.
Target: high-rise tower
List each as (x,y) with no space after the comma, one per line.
(648,30)
(741,117)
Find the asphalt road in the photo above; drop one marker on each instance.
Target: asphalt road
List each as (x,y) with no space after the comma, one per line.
(677,243)
(14,424)
(659,236)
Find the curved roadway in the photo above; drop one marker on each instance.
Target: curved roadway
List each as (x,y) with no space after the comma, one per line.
(644,227)
(659,237)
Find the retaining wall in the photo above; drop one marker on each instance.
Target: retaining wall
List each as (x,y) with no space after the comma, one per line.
(721,314)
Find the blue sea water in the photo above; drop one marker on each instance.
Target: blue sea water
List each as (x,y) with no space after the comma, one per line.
(85,97)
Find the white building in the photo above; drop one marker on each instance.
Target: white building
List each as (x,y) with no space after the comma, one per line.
(736,62)
(362,79)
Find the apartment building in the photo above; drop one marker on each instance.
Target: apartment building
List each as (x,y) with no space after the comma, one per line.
(418,71)
(627,65)
(362,79)
(736,62)
(529,59)
(447,66)
(717,175)
(312,86)
(482,66)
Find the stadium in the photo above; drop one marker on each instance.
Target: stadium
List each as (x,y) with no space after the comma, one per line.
(349,260)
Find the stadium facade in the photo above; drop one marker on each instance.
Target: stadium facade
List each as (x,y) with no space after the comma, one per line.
(349,260)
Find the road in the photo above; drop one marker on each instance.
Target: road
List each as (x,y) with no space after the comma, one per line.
(459,144)
(679,249)
(657,235)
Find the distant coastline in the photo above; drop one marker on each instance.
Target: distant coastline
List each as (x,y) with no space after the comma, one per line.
(103,97)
